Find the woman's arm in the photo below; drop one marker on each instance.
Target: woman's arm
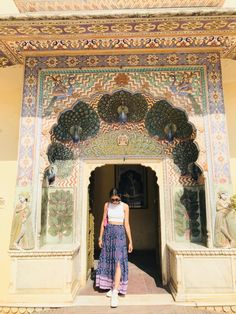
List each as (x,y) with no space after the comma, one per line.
(127,228)
(102,225)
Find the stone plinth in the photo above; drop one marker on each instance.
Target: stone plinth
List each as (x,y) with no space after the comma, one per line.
(199,274)
(44,276)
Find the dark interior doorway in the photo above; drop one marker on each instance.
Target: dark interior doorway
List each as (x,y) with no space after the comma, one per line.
(145,260)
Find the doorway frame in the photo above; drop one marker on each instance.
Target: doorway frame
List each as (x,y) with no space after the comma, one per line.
(86,166)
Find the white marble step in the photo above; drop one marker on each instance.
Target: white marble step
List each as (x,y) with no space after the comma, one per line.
(129,299)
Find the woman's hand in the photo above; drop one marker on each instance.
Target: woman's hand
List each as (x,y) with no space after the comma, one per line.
(130,247)
(100,243)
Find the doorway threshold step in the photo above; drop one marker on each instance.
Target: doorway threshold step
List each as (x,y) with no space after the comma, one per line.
(132,299)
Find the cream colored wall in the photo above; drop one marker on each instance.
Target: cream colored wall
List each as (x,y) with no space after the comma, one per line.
(11,82)
(8,7)
(229,88)
(143,222)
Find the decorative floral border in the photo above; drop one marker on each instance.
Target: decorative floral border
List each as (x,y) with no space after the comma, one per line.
(124,32)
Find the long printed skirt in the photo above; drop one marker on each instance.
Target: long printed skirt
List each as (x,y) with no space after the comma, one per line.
(114,250)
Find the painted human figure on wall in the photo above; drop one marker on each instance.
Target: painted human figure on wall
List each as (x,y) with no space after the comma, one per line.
(22,233)
(223,208)
(231,221)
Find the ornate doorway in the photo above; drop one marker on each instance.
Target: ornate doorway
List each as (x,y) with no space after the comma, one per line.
(144,215)
(156,169)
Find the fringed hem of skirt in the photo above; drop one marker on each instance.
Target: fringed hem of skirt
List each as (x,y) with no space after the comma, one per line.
(106,284)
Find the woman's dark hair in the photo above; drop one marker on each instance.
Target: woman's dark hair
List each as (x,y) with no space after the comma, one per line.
(114,191)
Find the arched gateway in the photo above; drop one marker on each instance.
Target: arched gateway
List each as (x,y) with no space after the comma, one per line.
(88,118)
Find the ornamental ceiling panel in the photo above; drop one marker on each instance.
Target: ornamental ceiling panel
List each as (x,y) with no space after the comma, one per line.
(70,5)
(83,35)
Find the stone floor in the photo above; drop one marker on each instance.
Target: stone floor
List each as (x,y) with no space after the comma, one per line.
(146,295)
(143,277)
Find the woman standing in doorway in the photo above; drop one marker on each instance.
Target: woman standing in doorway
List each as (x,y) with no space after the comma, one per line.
(112,270)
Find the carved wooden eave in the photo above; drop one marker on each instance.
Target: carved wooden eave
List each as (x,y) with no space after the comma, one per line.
(146,33)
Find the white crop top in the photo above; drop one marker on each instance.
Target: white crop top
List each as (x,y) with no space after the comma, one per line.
(115,212)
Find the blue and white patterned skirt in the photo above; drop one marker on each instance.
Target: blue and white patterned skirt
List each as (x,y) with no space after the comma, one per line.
(114,250)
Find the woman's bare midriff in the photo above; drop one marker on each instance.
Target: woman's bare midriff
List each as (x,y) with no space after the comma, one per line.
(115,223)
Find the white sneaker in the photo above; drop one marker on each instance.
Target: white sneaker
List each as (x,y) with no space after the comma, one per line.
(114,298)
(109,293)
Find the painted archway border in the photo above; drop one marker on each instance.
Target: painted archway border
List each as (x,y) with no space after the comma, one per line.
(38,68)
(208,64)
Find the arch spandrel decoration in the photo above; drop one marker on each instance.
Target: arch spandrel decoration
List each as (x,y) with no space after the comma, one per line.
(173,78)
(123,144)
(155,131)
(157,83)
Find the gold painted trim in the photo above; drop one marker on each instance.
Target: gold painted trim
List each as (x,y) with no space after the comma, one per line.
(9,53)
(113,18)
(129,51)
(113,35)
(14,45)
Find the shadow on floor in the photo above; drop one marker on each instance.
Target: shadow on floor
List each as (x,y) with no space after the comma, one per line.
(144,273)
(146,261)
